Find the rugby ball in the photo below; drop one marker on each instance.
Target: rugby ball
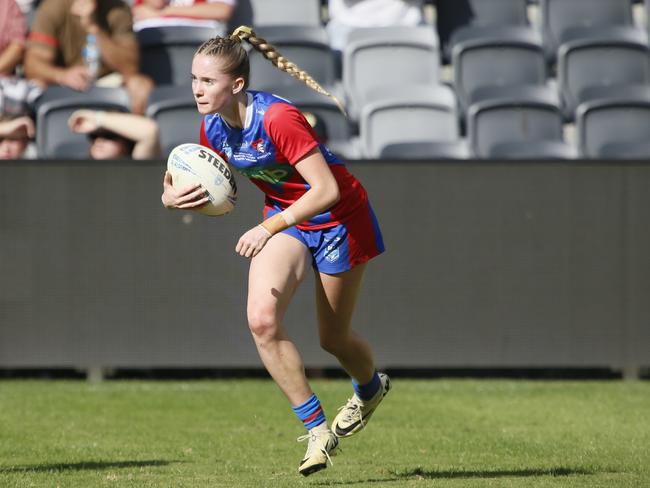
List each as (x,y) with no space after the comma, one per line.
(193,163)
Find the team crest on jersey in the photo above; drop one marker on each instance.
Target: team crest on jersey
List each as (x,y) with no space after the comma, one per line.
(332,251)
(259,146)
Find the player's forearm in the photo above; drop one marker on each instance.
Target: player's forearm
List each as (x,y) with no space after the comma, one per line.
(213,11)
(11,57)
(315,201)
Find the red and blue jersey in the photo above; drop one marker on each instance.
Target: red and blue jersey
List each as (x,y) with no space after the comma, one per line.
(274,138)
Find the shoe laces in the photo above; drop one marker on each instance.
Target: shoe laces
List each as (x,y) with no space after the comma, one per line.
(312,446)
(352,411)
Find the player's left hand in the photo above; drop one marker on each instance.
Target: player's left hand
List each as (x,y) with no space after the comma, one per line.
(252,242)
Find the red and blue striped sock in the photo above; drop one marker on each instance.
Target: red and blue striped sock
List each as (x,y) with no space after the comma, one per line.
(369,390)
(310,413)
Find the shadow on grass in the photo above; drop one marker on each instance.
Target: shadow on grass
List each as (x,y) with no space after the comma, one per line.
(420,473)
(82,466)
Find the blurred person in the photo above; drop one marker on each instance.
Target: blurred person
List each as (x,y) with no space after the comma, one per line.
(203,13)
(61,29)
(16,132)
(116,135)
(12,37)
(17,95)
(27,6)
(347,15)
(316,214)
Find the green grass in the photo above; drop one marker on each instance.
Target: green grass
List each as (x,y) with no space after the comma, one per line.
(461,433)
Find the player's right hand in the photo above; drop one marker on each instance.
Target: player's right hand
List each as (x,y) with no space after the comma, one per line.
(188,198)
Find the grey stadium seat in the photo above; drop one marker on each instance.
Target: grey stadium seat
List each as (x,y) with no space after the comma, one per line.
(174,109)
(414,114)
(307,100)
(502,57)
(53,137)
(613,57)
(617,127)
(521,123)
(465,19)
(166,52)
(426,150)
(387,56)
(307,47)
(286,12)
(564,20)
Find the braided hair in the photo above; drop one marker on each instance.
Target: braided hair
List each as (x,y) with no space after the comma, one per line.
(236,63)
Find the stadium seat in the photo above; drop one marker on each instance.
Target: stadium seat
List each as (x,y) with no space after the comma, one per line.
(166,52)
(465,19)
(286,12)
(307,47)
(519,123)
(53,137)
(426,150)
(564,20)
(387,56)
(412,115)
(616,127)
(307,100)
(174,109)
(501,57)
(611,58)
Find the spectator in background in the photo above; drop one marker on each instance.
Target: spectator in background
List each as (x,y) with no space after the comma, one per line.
(59,34)
(346,15)
(115,135)
(12,37)
(16,132)
(27,6)
(204,13)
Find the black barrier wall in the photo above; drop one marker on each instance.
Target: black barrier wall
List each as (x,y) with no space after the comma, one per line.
(488,265)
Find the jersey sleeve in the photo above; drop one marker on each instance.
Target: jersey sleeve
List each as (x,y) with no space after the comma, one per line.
(290,132)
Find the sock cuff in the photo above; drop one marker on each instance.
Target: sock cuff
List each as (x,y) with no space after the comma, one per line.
(308,406)
(310,412)
(369,390)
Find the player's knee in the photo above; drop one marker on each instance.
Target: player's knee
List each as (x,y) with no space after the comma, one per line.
(263,323)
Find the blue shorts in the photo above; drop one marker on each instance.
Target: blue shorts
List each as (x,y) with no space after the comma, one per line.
(340,248)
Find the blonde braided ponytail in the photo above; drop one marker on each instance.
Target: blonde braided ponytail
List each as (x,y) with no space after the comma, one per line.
(270,52)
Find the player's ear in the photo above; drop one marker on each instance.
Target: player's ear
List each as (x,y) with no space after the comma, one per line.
(238,85)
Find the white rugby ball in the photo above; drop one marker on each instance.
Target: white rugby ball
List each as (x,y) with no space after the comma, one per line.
(193,163)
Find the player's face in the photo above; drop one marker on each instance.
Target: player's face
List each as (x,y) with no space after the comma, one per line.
(213,90)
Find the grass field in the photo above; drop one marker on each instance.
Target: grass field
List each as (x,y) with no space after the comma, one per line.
(241,433)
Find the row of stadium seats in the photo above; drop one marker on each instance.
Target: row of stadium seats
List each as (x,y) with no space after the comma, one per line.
(389,56)
(419,123)
(514,87)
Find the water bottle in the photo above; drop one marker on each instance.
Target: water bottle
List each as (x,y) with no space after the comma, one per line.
(91,56)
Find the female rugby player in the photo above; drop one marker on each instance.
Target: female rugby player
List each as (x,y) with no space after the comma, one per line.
(316,213)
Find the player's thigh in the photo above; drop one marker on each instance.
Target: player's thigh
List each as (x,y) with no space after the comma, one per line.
(274,275)
(336,298)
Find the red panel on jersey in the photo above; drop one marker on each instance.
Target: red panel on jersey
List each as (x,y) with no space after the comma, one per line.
(290,132)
